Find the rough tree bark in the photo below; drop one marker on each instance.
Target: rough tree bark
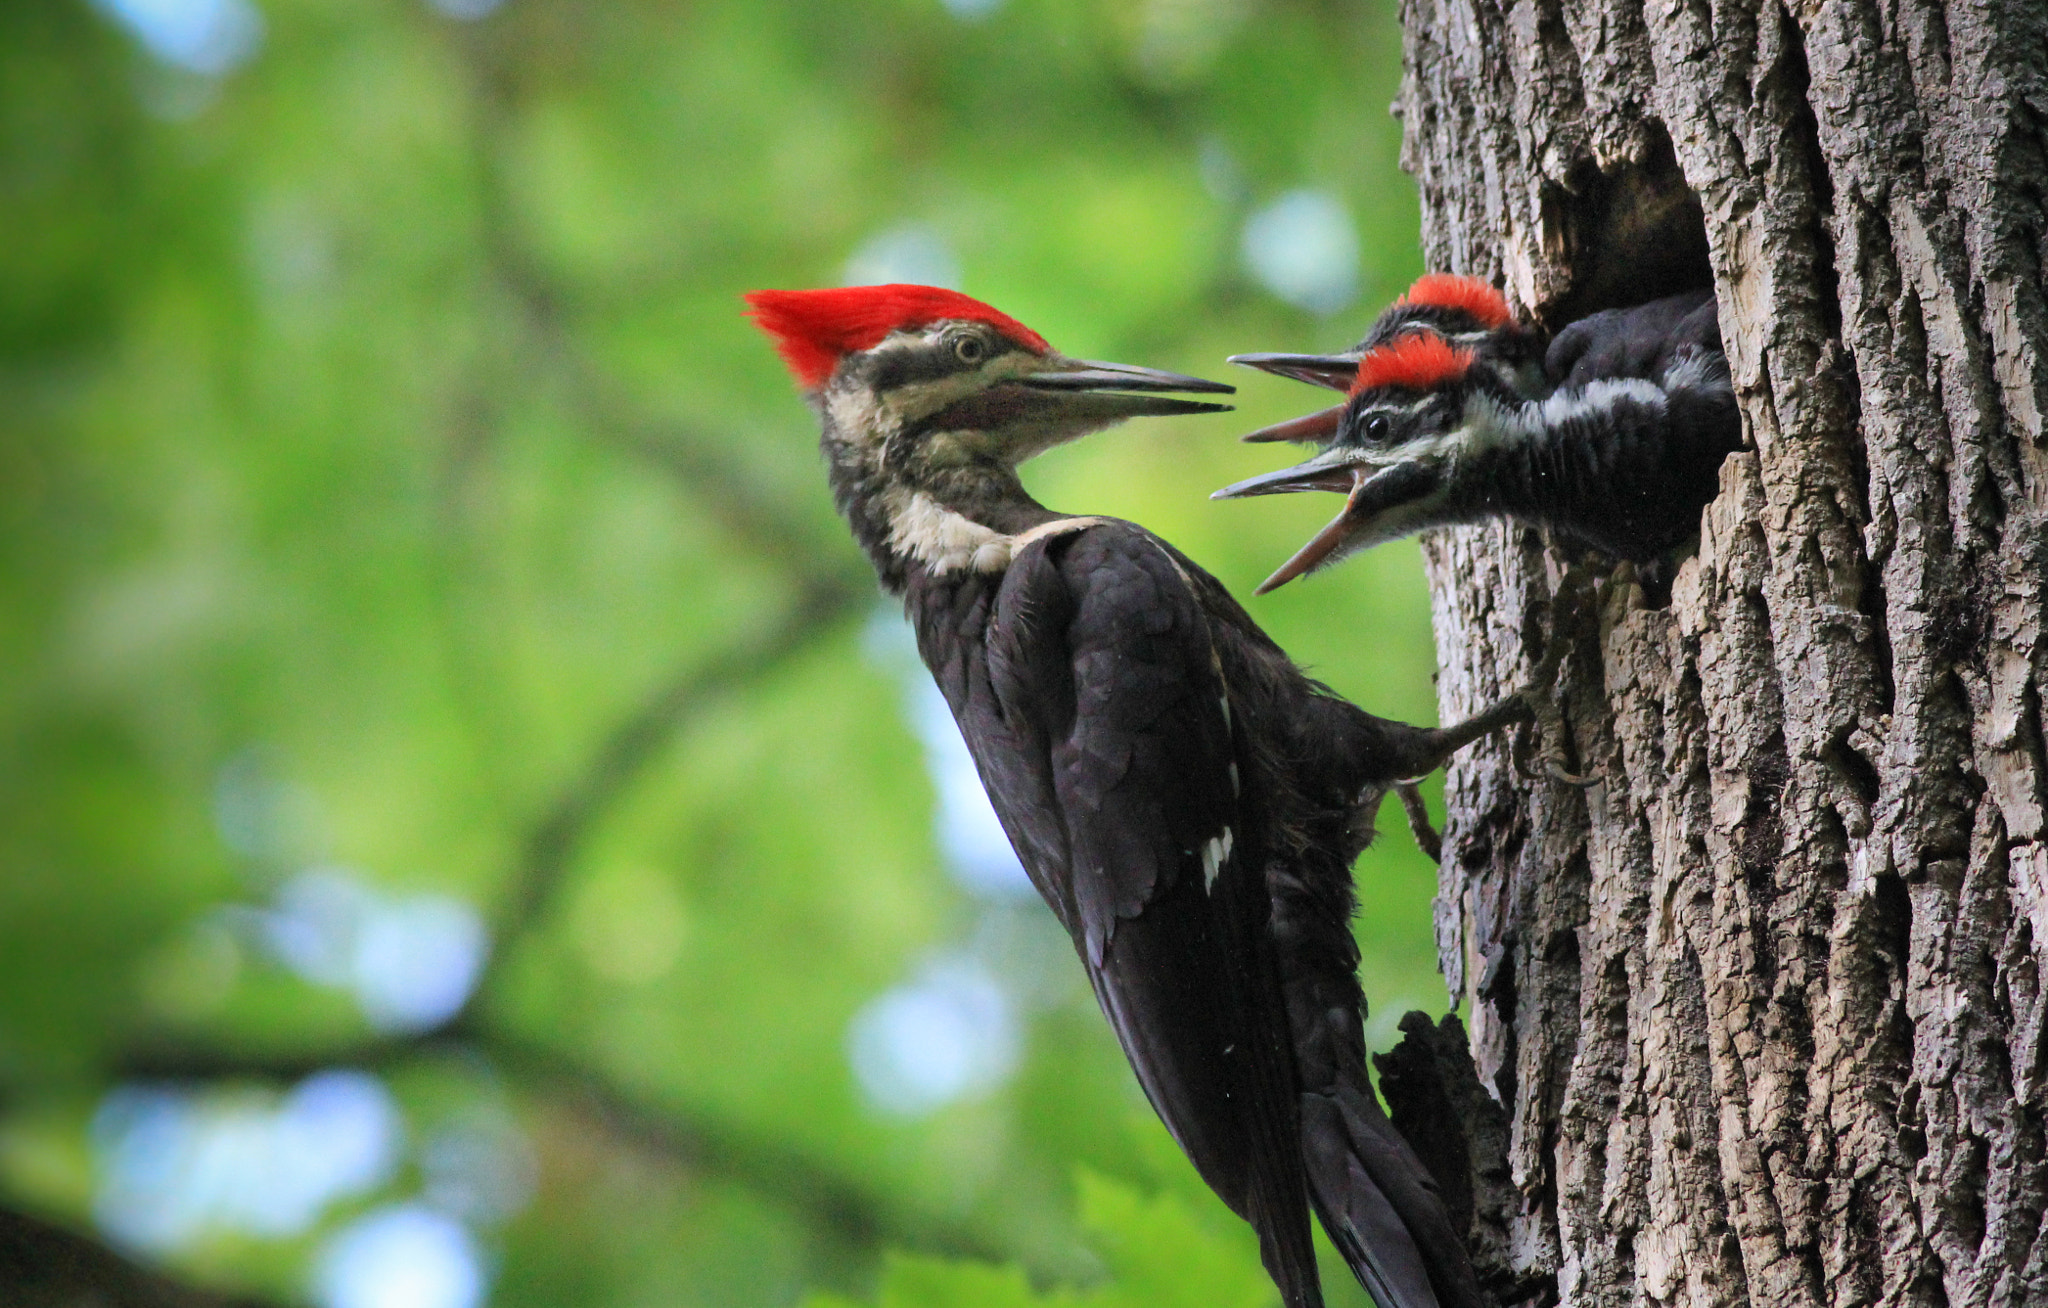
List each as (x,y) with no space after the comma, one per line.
(1759,1016)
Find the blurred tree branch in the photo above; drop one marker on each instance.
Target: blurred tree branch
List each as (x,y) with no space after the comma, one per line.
(47,1266)
(551,847)
(828,1198)
(824,1195)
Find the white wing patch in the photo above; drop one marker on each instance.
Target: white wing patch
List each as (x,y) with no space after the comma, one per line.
(1214,855)
(1216,851)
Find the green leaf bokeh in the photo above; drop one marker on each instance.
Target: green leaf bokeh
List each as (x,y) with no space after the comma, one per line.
(390,482)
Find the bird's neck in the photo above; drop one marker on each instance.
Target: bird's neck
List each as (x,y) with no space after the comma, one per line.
(960,523)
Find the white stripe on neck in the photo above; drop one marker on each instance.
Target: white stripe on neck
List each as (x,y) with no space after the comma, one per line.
(946,541)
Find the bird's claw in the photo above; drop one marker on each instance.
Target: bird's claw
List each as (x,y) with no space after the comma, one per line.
(1418,820)
(1547,723)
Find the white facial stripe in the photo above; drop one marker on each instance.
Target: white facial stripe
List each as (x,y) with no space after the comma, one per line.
(871,418)
(915,400)
(1413,409)
(1338,456)
(1418,447)
(860,417)
(1369,456)
(939,538)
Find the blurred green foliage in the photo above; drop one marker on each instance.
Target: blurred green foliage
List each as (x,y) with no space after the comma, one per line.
(390,483)
(1160,1253)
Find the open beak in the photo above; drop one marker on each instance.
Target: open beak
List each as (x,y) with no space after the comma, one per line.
(1373,498)
(1317,428)
(1335,371)
(1119,390)
(1325,472)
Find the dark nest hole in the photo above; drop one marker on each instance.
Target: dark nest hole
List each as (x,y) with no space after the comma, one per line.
(1628,236)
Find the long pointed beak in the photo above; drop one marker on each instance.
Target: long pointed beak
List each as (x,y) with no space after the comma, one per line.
(1031,412)
(1126,390)
(1373,498)
(1335,371)
(1087,375)
(1318,428)
(1318,474)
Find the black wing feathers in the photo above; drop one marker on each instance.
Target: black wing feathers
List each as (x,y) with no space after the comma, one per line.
(1183,797)
(1143,774)
(1008,750)
(1101,636)
(1640,341)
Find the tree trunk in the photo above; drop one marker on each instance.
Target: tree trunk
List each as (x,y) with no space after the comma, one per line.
(1759,1013)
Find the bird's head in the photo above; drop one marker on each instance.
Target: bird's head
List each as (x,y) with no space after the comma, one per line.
(930,400)
(916,381)
(1464,311)
(1426,384)
(1419,405)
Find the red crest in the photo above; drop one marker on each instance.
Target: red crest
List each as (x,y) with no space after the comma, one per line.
(814,330)
(1413,361)
(1469,294)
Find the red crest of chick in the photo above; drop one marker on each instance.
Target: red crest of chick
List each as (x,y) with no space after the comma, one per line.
(814,330)
(1416,361)
(1444,291)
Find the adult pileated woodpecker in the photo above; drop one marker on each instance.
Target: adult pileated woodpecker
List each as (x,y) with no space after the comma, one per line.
(1614,440)
(1186,800)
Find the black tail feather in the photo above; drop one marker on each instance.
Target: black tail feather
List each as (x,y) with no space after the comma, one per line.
(1369,1189)
(1381,1207)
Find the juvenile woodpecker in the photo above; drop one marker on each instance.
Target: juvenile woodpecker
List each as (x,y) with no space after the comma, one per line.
(1614,443)
(1463,310)
(1184,798)
(1646,341)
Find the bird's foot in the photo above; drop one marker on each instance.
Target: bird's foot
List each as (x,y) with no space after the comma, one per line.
(1546,740)
(1548,731)
(1419,824)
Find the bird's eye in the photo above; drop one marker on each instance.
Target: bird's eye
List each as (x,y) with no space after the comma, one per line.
(970,349)
(1377,428)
